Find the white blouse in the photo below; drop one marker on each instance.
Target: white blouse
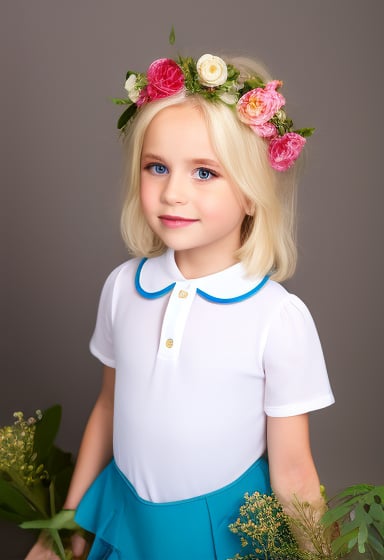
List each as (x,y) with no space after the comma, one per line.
(199,364)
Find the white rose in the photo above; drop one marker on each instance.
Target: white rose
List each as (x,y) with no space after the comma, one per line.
(212,70)
(129,85)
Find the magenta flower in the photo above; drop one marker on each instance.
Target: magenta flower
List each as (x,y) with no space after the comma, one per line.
(284,150)
(165,78)
(258,106)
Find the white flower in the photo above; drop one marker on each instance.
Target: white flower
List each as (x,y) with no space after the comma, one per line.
(130,86)
(212,70)
(229,97)
(281,115)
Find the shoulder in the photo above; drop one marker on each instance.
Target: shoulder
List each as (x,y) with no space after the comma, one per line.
(277,297)
(272,297)
(283,311)
(125,270)
(120,278)
(289,321)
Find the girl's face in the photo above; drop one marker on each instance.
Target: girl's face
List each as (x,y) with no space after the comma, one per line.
(186,196)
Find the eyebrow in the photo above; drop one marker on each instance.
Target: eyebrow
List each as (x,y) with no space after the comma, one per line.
(195,161)
(205,161)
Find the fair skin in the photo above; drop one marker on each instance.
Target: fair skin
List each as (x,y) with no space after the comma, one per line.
(190,203)
(186,196)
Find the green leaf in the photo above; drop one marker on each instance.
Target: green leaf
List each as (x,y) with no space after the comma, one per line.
(6,515)
(129,73)
(62,520)
(14,506)
(255,82)
(45,433)
(378,494)
(121,100)
(172,36)
(362,516)
(362,538)
(305,132)
(376,512)
(379,526)
(58,542)
(355,490)
(346,527)
(61,484)
(232,73)
(375,544)
(124,118)
(351,502)
(58,461)
(352,543)
(341,542)
(334,514)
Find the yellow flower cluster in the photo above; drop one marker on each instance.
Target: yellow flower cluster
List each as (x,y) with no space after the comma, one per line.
(17,456)
(263,528)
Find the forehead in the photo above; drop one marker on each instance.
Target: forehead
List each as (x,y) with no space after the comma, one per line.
(178,128)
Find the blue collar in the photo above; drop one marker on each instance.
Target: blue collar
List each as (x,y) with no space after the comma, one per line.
(158,276)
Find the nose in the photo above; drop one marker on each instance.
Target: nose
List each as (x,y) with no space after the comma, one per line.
(174,190)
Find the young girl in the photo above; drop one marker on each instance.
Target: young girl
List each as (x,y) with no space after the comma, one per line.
(210,365)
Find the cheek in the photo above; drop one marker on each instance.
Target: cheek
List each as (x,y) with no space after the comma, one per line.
(146,197)
(226,208)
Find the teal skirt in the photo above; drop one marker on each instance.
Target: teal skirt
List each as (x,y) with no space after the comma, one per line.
(126,527)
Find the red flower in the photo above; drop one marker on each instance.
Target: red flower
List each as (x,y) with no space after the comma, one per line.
(284,150)
(165,78)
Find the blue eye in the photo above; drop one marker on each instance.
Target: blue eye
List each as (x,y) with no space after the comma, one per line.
(204,174)
(157,168)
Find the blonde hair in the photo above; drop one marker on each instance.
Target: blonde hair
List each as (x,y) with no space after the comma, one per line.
(268,235)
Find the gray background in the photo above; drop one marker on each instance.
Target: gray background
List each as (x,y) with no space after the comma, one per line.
(61,194)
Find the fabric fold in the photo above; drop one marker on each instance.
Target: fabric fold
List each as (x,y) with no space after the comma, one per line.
(126,527)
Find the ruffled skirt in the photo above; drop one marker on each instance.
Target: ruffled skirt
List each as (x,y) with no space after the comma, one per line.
(126,527)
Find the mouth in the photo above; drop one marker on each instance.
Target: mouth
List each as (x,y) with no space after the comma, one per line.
(176,221)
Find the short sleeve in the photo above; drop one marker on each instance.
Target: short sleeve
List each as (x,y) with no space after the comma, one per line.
(296,379)
(101,344)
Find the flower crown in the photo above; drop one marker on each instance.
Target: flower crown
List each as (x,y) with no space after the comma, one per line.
(259,105)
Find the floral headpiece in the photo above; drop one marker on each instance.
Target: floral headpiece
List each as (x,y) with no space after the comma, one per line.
(259,105)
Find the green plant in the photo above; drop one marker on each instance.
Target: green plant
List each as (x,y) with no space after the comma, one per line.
(35,474)
(267,533)
(263,529)
(359,512)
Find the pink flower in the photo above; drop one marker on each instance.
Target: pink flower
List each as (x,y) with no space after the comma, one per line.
(284,150)
(143,97)
(266,130)
(165,78)
(259,105)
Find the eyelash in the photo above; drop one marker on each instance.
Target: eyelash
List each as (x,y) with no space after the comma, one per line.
(212,174)
(151,167)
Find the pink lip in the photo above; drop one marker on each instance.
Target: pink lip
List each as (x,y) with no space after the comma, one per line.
(176,221)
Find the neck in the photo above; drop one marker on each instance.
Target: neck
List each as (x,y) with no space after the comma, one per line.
(193,266)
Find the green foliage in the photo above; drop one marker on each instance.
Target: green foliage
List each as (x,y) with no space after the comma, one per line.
(34,473)
(172,36)
(305,132)
(126,116)
(359,512)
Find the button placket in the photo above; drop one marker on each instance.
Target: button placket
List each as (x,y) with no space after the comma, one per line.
(175,319)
